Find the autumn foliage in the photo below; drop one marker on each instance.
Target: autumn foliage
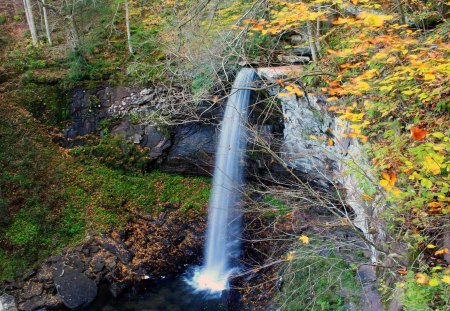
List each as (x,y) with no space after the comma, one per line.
(391,87)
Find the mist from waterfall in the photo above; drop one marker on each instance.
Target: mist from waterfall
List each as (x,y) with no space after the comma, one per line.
(223,246)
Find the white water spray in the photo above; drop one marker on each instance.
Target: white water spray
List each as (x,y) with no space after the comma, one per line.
(224,216)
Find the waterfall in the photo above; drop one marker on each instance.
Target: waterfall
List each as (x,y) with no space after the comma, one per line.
(224,216)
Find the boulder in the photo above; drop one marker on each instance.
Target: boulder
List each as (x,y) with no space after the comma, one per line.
(75,289)
(296,39)
(302,51)
(293,59)
(7,303)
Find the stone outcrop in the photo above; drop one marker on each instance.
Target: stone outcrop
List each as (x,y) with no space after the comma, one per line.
(146,248)
(7,303)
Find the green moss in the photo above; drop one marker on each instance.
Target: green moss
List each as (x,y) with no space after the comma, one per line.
(114,153)
(278,207)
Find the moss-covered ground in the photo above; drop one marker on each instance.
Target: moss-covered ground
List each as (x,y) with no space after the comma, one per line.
(51,198)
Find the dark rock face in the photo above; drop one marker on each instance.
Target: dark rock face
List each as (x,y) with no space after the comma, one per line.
(146,135)
(75,289)
(147,247)
(193,150)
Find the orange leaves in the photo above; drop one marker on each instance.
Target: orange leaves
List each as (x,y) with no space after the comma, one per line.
(343,21)
(402,271)
(388,179)
(330,142)
(442,251)
(422,278)
(388,183)
(418,133)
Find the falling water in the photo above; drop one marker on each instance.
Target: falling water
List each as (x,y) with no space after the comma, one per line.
(223,234)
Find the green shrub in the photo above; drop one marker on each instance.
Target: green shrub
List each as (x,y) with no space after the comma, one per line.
(316,282)
(2,19)
(425,297)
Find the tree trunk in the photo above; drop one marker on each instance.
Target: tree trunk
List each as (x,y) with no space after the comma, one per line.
(311,39)
(401,12)
(47,28)
(317,38)
(127,21)
(73,34)
(30,20)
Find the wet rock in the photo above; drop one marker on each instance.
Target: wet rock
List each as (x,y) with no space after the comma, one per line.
(41,302)
(117,288)
(7,303)
(97,264)
(193,150)
(32,289)
(75,289)
(117,248)
(366,274)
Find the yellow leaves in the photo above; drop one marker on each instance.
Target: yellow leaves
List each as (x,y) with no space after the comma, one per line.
(409,92)
(431,246)
(422,279)
(292,89)
(388,183)
(304,239)
(429,77)
(354,117)
(431,165)
(290,256)
(374,20)
(434,282)
(388,179)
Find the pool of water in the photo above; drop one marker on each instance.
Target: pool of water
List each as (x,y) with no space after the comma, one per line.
(162,295)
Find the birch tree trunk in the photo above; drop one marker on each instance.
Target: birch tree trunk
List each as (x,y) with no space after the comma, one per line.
(311,39)
(317,38)
(127,21)
(47,28)
(30,20)
(73,33)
